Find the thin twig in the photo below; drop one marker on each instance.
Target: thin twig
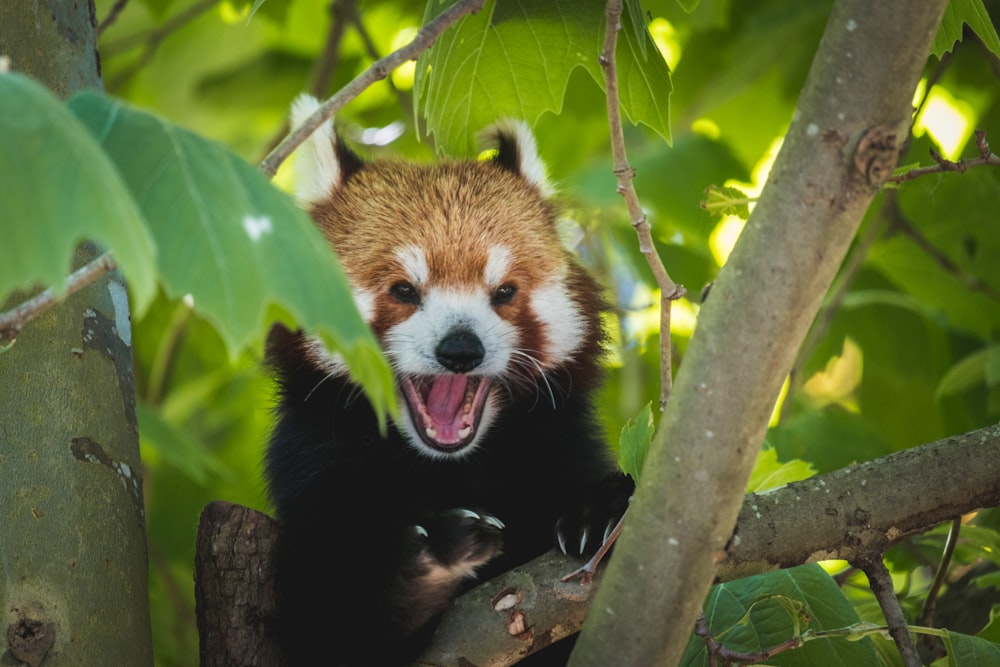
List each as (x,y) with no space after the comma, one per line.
(405,103)
(927,613)
(716,649)
(986,157)
(669,290)
(13,320)
(926,617)
(329,59)
(881,584)
(112,16)
(324,68)
(150,40)
(587,570)
(376,72)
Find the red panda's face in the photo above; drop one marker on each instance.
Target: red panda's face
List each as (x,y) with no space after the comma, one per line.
(459,271)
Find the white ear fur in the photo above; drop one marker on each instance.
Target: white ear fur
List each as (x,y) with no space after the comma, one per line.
(317,171)
(529,164)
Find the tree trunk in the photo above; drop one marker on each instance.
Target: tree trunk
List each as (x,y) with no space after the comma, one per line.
(73,587)
(843,142)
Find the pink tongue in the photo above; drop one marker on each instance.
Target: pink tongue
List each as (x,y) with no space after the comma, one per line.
(446,397)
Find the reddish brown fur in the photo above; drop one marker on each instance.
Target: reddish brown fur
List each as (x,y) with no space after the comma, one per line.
(456,213)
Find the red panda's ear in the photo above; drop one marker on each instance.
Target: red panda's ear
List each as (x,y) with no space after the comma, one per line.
(517,152)
(323,162)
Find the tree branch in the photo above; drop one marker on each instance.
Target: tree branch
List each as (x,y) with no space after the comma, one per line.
(669,290)
(13,320)
(843,142)
(880,581)
(986,157)
(838,515)
(376,72)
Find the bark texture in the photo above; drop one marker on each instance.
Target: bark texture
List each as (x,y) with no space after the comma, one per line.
(234,591)
(843,142)
(73,587)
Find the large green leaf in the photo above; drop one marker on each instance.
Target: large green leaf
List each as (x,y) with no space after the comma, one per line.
(241,248)
(965,12)
(966,651)
(58,188)
(514,58)
(776,601)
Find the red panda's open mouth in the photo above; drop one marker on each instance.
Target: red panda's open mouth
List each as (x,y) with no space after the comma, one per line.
(446,409)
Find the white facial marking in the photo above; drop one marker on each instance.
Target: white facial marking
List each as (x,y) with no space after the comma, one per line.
(411,344)
(564,325)
(411,348)
(414,262)
(497,265)
(365,303)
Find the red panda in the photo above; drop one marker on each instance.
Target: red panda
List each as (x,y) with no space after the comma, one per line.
(493,332)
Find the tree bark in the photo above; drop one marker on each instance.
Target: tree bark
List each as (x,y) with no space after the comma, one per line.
(838,515)
(73,588)
(234,587)
(843,142)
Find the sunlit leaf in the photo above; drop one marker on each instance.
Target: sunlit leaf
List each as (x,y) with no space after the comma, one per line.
(58,189)
(242,249)
(769,473)
(514,58)
(725,200)
(634,443)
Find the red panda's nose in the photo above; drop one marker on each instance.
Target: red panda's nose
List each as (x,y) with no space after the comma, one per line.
(460,351)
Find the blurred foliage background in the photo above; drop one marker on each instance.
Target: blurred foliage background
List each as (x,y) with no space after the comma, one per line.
(906,350)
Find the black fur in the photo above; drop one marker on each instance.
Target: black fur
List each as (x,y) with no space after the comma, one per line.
(350,558)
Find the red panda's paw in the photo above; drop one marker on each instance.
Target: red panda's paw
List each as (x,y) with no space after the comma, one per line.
(454,543)
(440,553)
(581,530)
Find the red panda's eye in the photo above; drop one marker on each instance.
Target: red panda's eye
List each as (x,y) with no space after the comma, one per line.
(503,294)
(405,293)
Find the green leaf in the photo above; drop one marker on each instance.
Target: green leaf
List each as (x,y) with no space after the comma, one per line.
(724,200)
(634,443)
(971,13)
(993,366)
(967,373)
(992,630)
(964,651)
(514,58)
(59,189)
(769,473)
(688,5)
(760,612)
(241,248)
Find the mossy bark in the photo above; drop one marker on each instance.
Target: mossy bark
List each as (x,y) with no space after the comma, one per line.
(73,587)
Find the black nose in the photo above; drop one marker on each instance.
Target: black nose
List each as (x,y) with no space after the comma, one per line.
(460,351)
